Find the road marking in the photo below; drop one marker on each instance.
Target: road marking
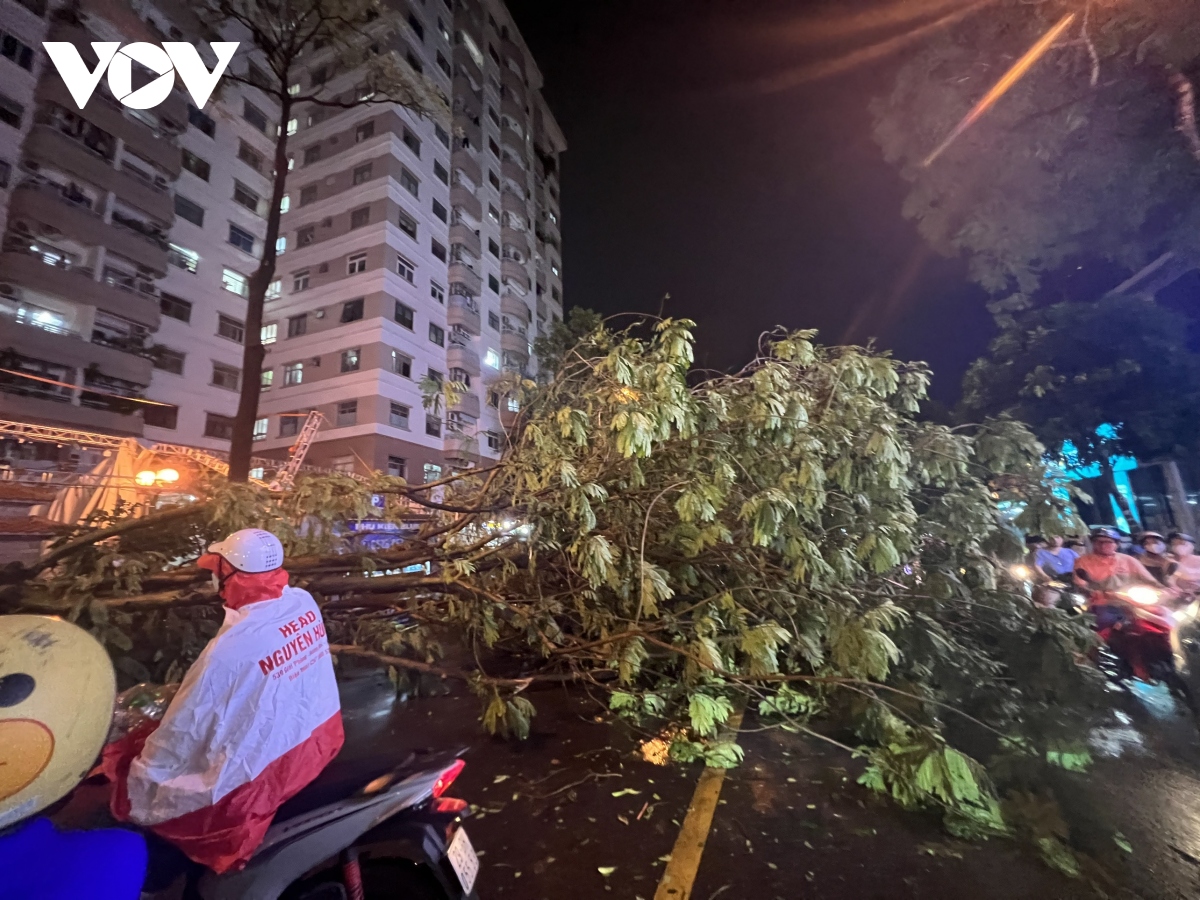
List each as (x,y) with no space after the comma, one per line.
(680,873)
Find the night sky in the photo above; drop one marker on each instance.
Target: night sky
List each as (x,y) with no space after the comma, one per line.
(690,172)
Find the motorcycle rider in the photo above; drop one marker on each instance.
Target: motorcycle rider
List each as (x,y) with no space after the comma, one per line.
(56,699)
(1187,573)
(256,718)
(1055,560)
(1104,569)
(1155,557)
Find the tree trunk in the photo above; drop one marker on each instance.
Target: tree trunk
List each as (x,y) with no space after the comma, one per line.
(253,353)
(1177,495)
(1110,482)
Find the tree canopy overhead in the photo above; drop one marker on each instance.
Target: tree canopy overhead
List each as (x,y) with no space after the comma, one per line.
(1093,152)
(791,536)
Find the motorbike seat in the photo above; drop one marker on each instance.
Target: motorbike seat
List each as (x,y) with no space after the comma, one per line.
(340,781)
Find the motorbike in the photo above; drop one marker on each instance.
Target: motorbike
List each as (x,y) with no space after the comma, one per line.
(1141,638)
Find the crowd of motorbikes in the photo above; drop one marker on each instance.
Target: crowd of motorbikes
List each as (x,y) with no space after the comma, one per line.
(1147,622)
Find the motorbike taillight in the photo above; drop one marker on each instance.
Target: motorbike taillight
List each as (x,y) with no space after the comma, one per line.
(448,805)
(447,778)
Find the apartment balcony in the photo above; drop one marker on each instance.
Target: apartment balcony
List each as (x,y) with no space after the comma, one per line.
(467,204)
(515,174)
(461,448)
(470,130)
(509,48)
(512,305)
(466,163)
(46,408)
(461,273)
(461,233)
(513,83)
(47,144)
(513,273)
(29,270)
(513,141)
(48,210)
(67,348)
(514,110)
(463,311)
(543,309)
(513,340)
(517,240)
(466,98)
(510,202)
(460,357)
(465,64)
(466,403)
(508,417)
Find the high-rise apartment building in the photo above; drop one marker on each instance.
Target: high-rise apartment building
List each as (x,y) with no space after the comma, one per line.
(411,249)
(415,251)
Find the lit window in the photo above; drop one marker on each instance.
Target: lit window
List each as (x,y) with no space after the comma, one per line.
(350,360)
(293,373)
(235,282)
(432,472)
(260,428)
(274,289)
(281,245)
(268,378)
(293,126)
(294,89)
(285,203)
(182,258)
(491,359)
(270,333)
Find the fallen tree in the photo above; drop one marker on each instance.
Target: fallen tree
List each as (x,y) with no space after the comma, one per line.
(792,536)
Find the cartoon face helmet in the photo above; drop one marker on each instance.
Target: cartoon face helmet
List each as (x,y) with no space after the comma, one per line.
(56,703)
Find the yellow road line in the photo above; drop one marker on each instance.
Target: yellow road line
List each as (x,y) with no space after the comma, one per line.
(681,870)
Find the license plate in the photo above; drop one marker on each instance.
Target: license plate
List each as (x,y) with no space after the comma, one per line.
(463,860)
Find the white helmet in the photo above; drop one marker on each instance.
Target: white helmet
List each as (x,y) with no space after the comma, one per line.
(250,550)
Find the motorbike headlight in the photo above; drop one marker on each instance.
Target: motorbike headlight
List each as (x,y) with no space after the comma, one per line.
(1143,595)
(1021,573)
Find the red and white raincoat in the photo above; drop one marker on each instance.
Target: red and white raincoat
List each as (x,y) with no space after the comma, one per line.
(256,719)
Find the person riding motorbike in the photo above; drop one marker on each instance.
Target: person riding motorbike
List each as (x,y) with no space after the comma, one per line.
(1155,558)
(56,699)
(1104,569)
(256,718)
(1187,572)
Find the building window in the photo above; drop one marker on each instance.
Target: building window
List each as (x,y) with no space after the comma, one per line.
(269,334)
(229,327)
(352,310)
(407,224)
(297,325)
(491,359)
(411,141)
(494,179)
(494,284)
(182,258)
(161,415)
(235,282)
(274,290)
(364,132)
(432,472)
(168,360)
(401,364)
(300,281)
(293,373)
(437,292)
(319,76)
(186,209)
(493,147)
(281,245)
(268,379)
(204,124)
(493,214)
(405,269)
(433,426)
(355,264)
(441,133)
(243,196)
(409,182)
(308,194)
(440,172)
(398,417)
(438,249)
(254,116)
(493,399)
(440,211)
(16,51)
(250,156)
(351,360)
(347,413)
(437,335)
(343,464)
(228,377)
(493,248)
(397,466)
(197,166)
(360,217)
(260,428)
(241,238)
(216,426)
(289,424)
(493,320)
(494,441)
(362,174)
(175,307)
(285,203)
(293,125)
(306,235)
(404,315)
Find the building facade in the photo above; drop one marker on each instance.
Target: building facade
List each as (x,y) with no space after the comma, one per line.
(411,251)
